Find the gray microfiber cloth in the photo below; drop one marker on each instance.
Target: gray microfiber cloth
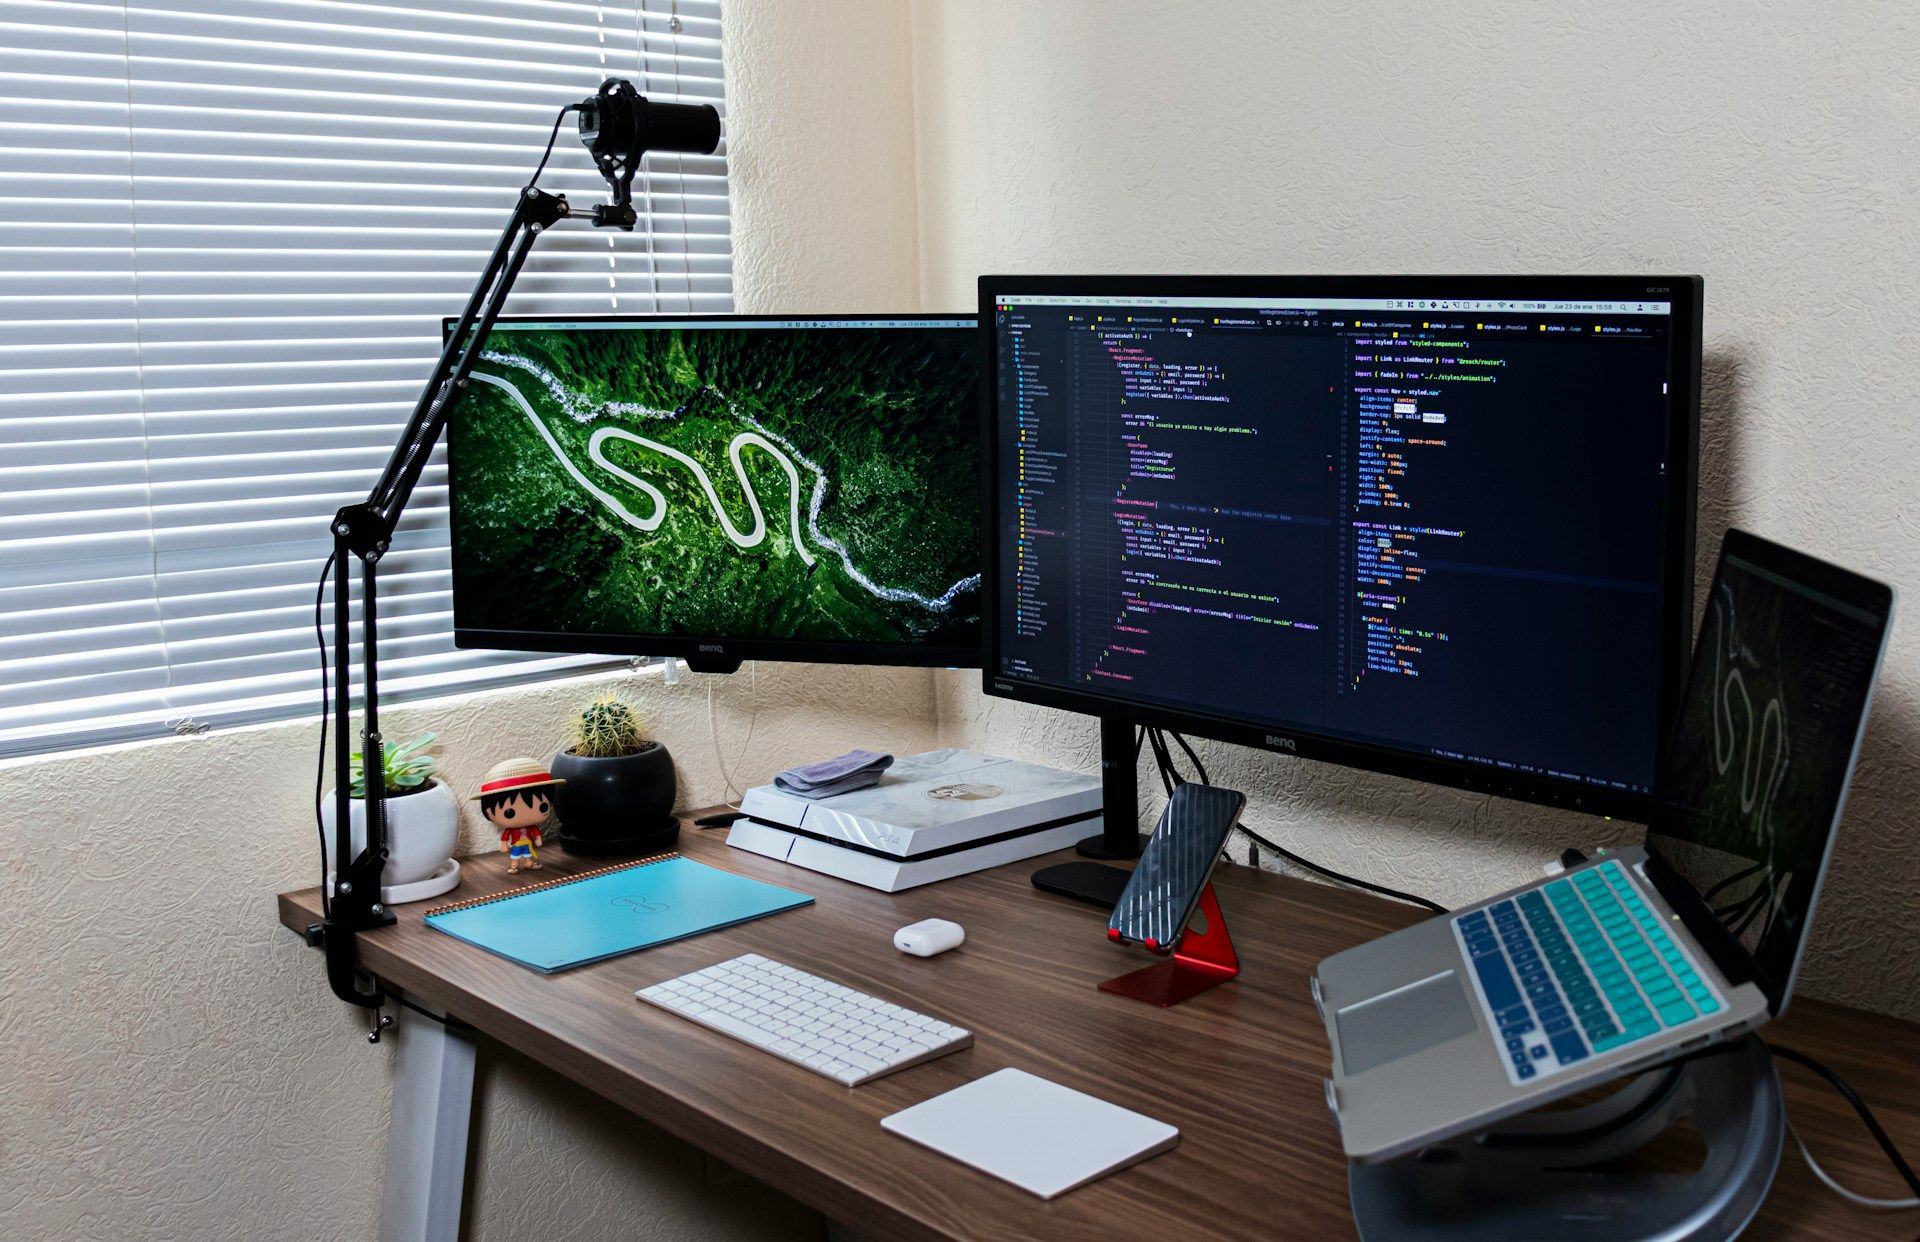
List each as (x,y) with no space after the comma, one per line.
(856,769)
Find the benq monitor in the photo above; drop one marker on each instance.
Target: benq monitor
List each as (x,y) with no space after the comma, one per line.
(1434,526)
(721,488)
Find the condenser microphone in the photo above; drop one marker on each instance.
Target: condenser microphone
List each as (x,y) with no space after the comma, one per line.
(619,125)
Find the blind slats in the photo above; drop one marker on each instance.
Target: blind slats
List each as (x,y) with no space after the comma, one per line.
(229,230)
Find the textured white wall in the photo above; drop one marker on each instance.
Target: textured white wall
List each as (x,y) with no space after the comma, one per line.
(175,1065)
(1774,148)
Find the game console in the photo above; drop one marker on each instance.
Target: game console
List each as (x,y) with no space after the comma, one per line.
(932,816)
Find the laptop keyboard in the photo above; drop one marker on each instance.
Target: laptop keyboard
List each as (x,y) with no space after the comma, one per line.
(1578,967)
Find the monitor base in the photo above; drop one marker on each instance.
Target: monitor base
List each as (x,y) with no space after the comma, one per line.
(1107,850)
(1202,960)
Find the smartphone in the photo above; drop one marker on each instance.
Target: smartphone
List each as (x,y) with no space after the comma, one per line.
(1174,869)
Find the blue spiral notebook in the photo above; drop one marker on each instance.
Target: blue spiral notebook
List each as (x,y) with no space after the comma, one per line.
(601,914)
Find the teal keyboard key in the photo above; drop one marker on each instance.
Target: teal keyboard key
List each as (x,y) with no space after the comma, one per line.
(1650,972)
(1664,995)
(1640,1030)
(1709,1005)
(1675,1013)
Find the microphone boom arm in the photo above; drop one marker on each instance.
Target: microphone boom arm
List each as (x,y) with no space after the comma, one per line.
(363,532)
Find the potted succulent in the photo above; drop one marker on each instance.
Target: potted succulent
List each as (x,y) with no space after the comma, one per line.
(423,821)
(619,791)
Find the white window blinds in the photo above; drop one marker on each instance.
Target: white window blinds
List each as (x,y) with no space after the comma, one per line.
(228,232)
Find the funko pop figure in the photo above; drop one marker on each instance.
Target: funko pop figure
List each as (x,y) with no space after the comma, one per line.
(517,798)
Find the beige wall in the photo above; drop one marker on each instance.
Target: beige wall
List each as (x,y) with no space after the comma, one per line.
(1774,149)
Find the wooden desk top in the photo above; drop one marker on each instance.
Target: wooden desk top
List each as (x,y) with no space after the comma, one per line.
(1238,1070)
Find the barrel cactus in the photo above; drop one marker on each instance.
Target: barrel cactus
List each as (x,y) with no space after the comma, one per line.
(608,728)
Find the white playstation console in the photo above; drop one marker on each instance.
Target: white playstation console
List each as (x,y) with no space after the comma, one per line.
(932,817)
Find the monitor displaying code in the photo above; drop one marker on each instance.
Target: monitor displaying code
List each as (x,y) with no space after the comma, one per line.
(1438,526)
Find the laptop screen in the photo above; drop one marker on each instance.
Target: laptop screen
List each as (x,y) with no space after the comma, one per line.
(1758,762)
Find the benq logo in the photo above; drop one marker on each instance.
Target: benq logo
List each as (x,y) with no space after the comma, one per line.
(715,648)
(1281,743)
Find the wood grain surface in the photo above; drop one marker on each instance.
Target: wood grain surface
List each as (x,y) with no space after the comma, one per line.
(1239,1070)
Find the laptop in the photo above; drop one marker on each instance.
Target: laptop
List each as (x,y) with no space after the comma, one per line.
(1638,955)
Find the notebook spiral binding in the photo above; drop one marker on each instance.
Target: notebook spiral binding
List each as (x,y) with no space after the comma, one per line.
(471,902)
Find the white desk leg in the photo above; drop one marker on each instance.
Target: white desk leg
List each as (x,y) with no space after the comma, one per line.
(427,1131)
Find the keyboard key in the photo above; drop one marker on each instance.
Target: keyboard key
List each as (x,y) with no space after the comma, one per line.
(1496,980)
(1568,1048)
(1708,1004)
(1675,1013)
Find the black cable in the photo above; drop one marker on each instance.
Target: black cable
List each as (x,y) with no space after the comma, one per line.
(1859,1106)
(1193,758)
(1728,882)
(1329,873)
(451,1023)
(1161,752)
(544,155)
(320,768)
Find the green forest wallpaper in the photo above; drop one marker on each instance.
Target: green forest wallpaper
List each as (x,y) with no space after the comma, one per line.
(597,483)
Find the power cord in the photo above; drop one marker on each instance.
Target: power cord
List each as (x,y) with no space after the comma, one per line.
(1170,776)
(1873,1128)
(546,154)
(713,731)
(320,766)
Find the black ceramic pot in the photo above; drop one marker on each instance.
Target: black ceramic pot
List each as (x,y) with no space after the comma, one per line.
(610,808)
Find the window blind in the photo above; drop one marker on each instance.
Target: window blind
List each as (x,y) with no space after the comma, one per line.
(228,232)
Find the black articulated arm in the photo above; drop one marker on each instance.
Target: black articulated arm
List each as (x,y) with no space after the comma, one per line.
(624,128)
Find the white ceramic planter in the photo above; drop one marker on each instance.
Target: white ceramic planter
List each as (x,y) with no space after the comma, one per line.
(421,830)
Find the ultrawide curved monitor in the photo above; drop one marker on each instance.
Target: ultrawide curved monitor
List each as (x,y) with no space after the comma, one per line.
(1434,526)
(721,488)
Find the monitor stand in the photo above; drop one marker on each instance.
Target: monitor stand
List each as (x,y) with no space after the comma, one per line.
(1120,837)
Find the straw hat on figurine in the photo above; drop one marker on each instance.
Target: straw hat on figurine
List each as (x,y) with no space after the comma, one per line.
(512,775)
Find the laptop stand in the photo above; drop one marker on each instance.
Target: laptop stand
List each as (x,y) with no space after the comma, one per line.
(1586,1173)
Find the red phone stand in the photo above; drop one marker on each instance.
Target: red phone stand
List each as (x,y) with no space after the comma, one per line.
(1202,960)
